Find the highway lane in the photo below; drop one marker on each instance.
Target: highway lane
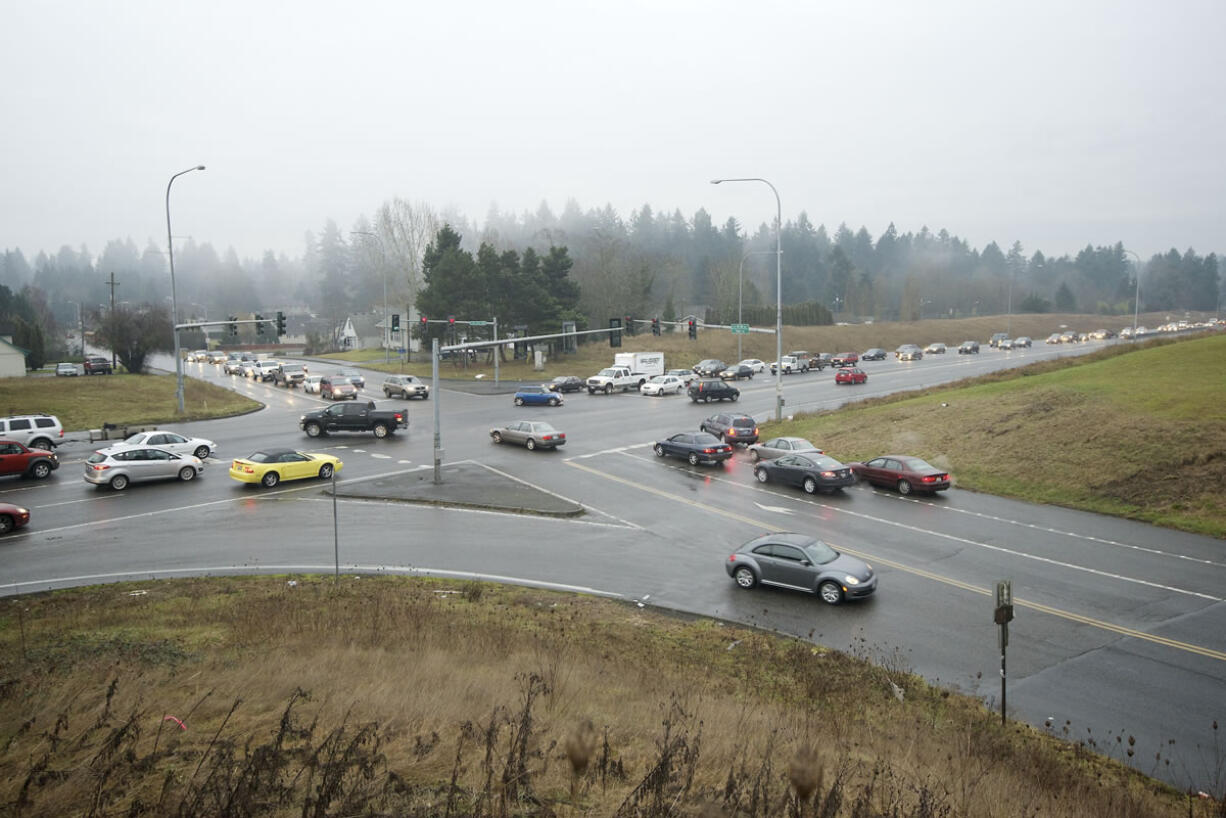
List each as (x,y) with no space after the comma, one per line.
(1119,624)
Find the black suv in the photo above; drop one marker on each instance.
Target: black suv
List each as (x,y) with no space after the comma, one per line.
(709,390)
(709,368)
(968,348)
(731,428)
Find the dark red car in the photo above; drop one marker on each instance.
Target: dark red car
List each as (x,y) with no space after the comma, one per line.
(18,459)
(851,374)
(902,472)
(845,359)
(12,517)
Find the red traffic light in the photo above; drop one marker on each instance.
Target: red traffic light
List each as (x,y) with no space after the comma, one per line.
(423,319)
(451,319)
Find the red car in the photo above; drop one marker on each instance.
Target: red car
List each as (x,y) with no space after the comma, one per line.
(845,359)
(851,374)
(12,517)
(903,472)
(18,459)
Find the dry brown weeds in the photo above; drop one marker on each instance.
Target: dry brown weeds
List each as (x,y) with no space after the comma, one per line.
(401,697)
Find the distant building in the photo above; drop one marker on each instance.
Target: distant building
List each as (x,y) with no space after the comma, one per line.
(12,358)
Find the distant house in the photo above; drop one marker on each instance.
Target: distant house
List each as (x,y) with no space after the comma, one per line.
(360,332)
(12,358)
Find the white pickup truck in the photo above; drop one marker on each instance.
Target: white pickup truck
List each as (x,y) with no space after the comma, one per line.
(615,377)
(790,365)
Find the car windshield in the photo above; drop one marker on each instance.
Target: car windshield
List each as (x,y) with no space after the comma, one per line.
(746,422)
(659,379)
(608,373)
(915,464)
(820,553)
(706,439)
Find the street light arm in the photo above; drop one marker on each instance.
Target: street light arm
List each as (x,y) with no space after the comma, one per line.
(174,301)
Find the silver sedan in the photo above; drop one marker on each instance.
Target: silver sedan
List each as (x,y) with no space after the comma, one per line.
(120,465)
(535,434)
(779,446)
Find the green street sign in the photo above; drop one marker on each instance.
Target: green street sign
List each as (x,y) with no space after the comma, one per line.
(739,329)
(477,323)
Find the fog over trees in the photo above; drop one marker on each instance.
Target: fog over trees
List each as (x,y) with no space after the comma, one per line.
(647,263)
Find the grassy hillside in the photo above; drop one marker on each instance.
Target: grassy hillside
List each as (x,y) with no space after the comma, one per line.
(1140,433)
(389,696)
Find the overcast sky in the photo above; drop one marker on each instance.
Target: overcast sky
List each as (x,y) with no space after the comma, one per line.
(1054,123)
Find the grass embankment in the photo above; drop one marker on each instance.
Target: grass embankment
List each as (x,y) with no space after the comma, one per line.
(392,696)
(680,352)
(1135,432)
(88,402)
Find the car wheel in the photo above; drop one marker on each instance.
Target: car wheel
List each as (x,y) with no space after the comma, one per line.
(810,486)
(745,577)
(314,430)
(496,437)
(733,398)
(519,401)
(608,388)
(187,473)
(325,471)
(41,443)
(830,593)
(761,474)
(754,456)
(119,482)
(6,523)
(591,391)
(202,452)
(553,401)
(693,458)
(381,430)
(659,450)
(40,470)
(531,444)
(270,479)
(904,487)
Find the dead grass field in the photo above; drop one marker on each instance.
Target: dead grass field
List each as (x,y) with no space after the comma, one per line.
(392,696)
(88,402)
(1135,432)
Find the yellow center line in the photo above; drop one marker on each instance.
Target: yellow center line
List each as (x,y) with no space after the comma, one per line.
(920,572)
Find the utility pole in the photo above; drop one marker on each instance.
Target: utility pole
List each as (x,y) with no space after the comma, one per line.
(113,284)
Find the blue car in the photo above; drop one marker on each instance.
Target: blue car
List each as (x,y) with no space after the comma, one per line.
(537,396)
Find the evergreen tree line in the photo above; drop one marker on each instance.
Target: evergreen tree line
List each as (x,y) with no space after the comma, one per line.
(650,264)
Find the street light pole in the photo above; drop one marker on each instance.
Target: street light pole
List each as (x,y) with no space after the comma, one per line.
(1136,301)
(778,290)
(174,301)
(740,289)
(387,354)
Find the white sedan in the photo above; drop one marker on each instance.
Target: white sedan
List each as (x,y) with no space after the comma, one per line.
(311,384)
(662,385)
(172,442)
(754,364)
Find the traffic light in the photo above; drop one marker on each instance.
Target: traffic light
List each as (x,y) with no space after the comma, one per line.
(280,323)
(629,325)
(259,324)
(451,320)
(615,334)
(395,322)
(655,326)
(423,323)
(693,329)
(232,327)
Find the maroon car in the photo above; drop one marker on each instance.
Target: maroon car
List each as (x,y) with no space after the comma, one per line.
(18,459)
(845,359)
(851,374)
(903,472)
(12,517)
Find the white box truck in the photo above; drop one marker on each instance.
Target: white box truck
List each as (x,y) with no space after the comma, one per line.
(641,363)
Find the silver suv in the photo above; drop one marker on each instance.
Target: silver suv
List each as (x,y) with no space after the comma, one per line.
(35,431)
(405,386)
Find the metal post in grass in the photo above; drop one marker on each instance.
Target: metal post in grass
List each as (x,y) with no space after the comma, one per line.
(438,432)
(496,351)
(1002,616)
(336,531)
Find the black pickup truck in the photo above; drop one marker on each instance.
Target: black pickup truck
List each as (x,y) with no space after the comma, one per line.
(354,417)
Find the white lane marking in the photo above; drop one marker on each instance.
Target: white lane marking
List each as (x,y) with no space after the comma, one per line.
(555,494)
(404,462)
(82,500)
(382,456)
(1088,537)
(966,541)
(15,588)
(776,509)
(24,488)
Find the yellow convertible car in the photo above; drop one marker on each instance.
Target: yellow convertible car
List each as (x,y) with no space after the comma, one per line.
(270,466)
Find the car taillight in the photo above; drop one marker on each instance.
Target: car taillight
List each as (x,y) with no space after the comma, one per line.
(561,435)
(827,474)
(732,432)
(98,466)
(755,431)
(931,478)
(399,417)
(547,437)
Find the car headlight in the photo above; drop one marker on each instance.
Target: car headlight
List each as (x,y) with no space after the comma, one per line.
(850,580)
